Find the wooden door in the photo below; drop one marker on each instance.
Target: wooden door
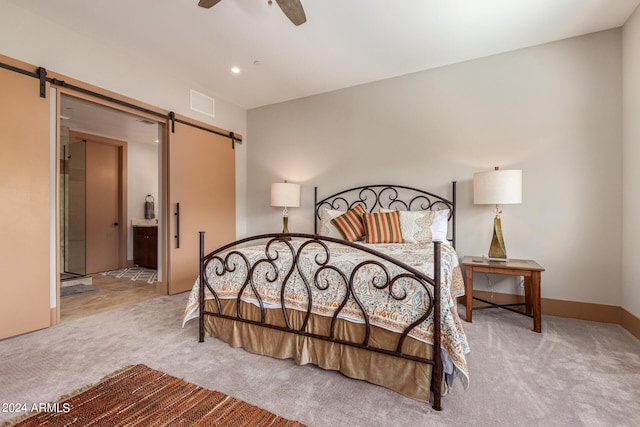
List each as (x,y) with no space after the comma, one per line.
(103,207)
(202,183)
(24,211)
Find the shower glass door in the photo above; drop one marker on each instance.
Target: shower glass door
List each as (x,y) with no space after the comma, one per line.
(74,212)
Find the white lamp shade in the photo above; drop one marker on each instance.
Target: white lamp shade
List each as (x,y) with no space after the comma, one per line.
(497,187)
(285,195)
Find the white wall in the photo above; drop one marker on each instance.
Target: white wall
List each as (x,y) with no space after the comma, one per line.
(142,180)
(631,158)
(30,38)
(553,111)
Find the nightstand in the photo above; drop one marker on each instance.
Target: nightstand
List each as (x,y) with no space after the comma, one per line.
(528,269)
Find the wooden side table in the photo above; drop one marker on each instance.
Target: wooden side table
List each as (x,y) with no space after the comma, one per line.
(528,269)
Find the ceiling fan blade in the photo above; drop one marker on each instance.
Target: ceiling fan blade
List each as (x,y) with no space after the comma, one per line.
(293,9)
(208,3)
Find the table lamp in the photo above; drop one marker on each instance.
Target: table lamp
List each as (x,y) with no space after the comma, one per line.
(285,195)
(497,187)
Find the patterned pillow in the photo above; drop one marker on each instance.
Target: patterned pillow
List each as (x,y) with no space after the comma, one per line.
(424,226)
(382,227)
(349,224)
(326,227)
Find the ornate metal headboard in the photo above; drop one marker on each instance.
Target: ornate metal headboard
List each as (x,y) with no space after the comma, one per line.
(374,197)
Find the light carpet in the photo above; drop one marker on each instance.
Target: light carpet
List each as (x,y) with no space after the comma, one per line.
(576,373)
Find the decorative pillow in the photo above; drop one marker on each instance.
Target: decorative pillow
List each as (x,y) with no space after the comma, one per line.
(440,226)
(424,226)
(349,224)
(382,227)
(385,210)
(326,227)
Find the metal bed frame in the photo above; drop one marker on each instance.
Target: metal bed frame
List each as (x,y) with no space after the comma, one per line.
(387,196)
(228,258)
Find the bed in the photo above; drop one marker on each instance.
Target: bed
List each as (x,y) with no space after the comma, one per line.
(378,307)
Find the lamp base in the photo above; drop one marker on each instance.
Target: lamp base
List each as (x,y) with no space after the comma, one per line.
(497,251)
(285,228)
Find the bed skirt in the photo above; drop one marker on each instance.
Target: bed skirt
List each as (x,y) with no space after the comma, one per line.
(409,378)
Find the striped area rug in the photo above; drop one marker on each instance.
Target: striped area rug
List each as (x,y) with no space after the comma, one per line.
(141,396)
(139,274)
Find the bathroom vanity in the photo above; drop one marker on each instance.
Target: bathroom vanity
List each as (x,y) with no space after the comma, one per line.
(145,243)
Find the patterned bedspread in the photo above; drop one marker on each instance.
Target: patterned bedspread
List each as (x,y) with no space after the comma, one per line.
(383,310)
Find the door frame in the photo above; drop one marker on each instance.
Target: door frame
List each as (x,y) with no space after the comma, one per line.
(136,109)
(122,186)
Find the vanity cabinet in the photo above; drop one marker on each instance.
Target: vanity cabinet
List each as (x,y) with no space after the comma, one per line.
(145,246)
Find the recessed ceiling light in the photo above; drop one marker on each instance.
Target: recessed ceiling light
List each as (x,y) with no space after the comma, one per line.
(157,141)
(235,70)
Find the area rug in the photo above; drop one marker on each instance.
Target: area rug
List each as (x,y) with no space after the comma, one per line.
(139,274)
(73,290)
(141,396)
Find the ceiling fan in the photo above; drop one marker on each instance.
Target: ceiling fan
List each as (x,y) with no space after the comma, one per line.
(292,8)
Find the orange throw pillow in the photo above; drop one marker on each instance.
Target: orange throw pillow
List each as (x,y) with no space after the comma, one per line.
(382,227)
(349,224)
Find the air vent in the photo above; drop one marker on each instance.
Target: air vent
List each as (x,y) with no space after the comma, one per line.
(146,122)
(202,103)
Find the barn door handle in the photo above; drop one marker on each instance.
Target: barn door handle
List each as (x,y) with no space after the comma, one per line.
(177,236)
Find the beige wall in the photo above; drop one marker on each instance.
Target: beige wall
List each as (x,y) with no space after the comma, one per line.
(553,111)
(631,158)
(35,40)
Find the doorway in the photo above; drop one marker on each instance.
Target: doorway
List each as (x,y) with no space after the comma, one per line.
(94,204)
(109,161)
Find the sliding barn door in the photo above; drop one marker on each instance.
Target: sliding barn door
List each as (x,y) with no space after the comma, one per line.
(201,198)
(24,211)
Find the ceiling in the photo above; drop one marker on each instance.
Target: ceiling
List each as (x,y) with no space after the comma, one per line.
(342,44)
(88,117)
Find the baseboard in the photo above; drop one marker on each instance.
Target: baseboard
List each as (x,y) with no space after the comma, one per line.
(571,309)
(496,298)
(54,315)
(582,310)
(631,323)
(161,288)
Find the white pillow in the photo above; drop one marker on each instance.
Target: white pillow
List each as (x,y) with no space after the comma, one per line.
(424,226)
(326,227)
(440,226)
